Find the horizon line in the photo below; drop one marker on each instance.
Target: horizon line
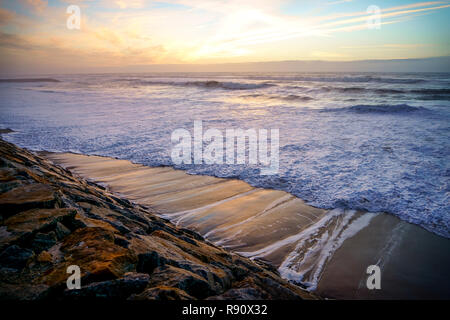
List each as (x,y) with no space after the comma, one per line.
(396,65)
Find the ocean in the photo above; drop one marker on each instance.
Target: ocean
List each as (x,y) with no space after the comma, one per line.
(368,141)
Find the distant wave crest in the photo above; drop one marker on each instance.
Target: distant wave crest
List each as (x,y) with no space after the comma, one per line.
(29,80)
(384,108)
(378,108)
(288,98)
(419,94)
(431,91)
(209,84)
(356,79)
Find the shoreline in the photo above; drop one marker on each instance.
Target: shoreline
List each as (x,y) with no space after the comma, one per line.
(341,276)
(44,151)
(51,220)
(381,241)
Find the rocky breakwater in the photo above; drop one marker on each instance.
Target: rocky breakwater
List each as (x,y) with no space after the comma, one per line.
(51,219)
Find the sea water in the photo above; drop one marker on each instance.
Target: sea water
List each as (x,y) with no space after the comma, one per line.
(373,141)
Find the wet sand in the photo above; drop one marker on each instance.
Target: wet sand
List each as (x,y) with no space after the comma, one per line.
(329,249)
(414,263)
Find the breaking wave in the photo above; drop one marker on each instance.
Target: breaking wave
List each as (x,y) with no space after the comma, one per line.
(29,80)
(209,84)
(385,108)
(356,79)
(380,108)
(291,97)
(424,92)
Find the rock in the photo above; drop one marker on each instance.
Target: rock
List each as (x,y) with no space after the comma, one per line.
(240,294)
(15,257)
(43,241)
(61,231)
(9,185)
(162,293)
(22,227)
(94,251)
(193,234)
(92,223)
(6,238)
(188,240)
(149,262)
(45,257)
(121,241)
(8,179)
(113,289)
(7,174)
(219,279)
(36,195)
(35,220)
(167,252)
(23,292)
(119,221)
(185,280)
(279,290)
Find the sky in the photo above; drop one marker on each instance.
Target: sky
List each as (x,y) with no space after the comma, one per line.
(34,36)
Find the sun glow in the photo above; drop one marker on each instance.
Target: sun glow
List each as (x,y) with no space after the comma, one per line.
(120,33)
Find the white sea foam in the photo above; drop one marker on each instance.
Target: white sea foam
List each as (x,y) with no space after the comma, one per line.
(306,266)
(315,245)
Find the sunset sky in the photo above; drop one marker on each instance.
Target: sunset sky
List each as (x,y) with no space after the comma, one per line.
(116,33)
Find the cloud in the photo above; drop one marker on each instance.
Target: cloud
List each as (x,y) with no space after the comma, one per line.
(338,2)
(388,46)
(241,28)
(109,36)
(6,16)
(38,6)
(192,31)
(335,16)
(386,13)
(12,41)
(126,4)
(329,55)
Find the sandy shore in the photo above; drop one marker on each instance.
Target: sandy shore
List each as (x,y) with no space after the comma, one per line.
(329,249)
